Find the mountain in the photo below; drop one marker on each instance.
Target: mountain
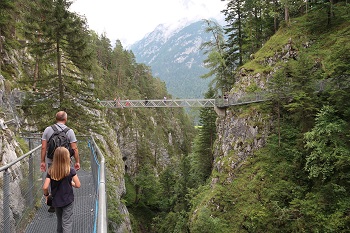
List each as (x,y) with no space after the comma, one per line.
(174,55)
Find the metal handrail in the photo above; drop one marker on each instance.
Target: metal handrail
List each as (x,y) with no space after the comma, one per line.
(5,167)
(6,186)
(102,200)
(101,210)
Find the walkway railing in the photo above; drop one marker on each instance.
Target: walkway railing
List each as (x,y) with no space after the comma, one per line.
(246,99)
(20,190)
(186,103)
(158,103)
(22,198)
(98,170)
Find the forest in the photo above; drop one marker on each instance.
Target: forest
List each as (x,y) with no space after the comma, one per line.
(297,182)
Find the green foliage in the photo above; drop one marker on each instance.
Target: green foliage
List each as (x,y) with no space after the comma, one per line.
(113,206)
(215,58)
(7,35)
(206,223)
(201,158)
(147,186)
(329,153)
(22,144)
(130,195)
(297,182)
(58,40)
(175,222)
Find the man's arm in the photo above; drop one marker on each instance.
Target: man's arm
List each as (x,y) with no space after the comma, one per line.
(76,155)
(43,155)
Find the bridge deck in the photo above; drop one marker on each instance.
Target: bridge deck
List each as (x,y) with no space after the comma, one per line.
(83,213)
(186,103)
(158,103)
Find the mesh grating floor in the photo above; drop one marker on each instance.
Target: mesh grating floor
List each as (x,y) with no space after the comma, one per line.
(83,213)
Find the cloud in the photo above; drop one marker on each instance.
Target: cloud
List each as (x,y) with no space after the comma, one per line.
(130,20)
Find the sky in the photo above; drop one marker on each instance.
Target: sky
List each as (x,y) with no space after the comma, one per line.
(130,20)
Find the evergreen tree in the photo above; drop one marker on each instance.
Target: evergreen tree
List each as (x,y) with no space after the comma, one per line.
(329,153)
(6,22)
(215,61)
(58,41)
(234,17)
(202,158)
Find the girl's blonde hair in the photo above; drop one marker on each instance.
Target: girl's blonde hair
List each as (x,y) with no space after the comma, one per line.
(60,167)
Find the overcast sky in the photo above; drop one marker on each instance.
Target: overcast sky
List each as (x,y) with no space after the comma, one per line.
(130,20)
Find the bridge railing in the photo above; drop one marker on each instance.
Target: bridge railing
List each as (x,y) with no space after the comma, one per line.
(187,103)
(21,181)
(98,171)
(246,99)
(170,103)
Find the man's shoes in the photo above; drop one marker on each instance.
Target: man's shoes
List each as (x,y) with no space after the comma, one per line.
(51,209)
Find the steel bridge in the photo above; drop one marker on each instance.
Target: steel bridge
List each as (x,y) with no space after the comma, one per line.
(24,208)
(186,103)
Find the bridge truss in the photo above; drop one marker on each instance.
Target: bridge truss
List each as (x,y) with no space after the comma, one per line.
(189,103)
(182,103)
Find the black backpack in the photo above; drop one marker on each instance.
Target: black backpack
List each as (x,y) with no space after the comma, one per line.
(57,139)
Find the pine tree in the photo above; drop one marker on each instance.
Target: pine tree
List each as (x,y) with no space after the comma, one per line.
(234,17)
(207,136)
(59,42)
(215,61)
(6,22)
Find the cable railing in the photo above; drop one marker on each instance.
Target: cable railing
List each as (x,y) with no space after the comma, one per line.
(23,205)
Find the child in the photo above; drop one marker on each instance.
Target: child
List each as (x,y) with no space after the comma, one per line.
(62,178)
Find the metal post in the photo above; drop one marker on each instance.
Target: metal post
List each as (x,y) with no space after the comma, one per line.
(6,203)
(31,176)
(102,207)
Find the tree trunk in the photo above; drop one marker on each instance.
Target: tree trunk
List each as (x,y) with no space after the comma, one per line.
(286,14)
(275,18)
(330,12)
(36,73)
(240,42)
(59,73)
(0,49)
(279,124)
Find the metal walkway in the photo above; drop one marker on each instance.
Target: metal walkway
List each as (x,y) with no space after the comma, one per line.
(24,208)
(186,103)
(83,212)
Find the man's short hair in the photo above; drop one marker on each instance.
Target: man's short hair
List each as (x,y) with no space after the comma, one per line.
(61,116)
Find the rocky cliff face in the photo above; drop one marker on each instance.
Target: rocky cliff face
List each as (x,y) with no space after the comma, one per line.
(244,130)
(158,141)
(9,151)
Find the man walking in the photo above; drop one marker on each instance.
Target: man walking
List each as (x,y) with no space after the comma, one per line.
(61,120)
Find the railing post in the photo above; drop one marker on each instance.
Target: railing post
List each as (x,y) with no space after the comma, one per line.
(102,211)
(31,176)
(6,202)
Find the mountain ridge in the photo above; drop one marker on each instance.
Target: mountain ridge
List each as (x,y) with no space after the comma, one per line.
(174,55)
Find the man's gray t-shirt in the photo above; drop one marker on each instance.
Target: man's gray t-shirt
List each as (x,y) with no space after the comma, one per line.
(49,131)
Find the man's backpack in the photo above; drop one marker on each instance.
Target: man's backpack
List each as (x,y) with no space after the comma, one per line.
(57,139)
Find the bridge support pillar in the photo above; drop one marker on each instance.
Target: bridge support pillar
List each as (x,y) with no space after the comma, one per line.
(220,111)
